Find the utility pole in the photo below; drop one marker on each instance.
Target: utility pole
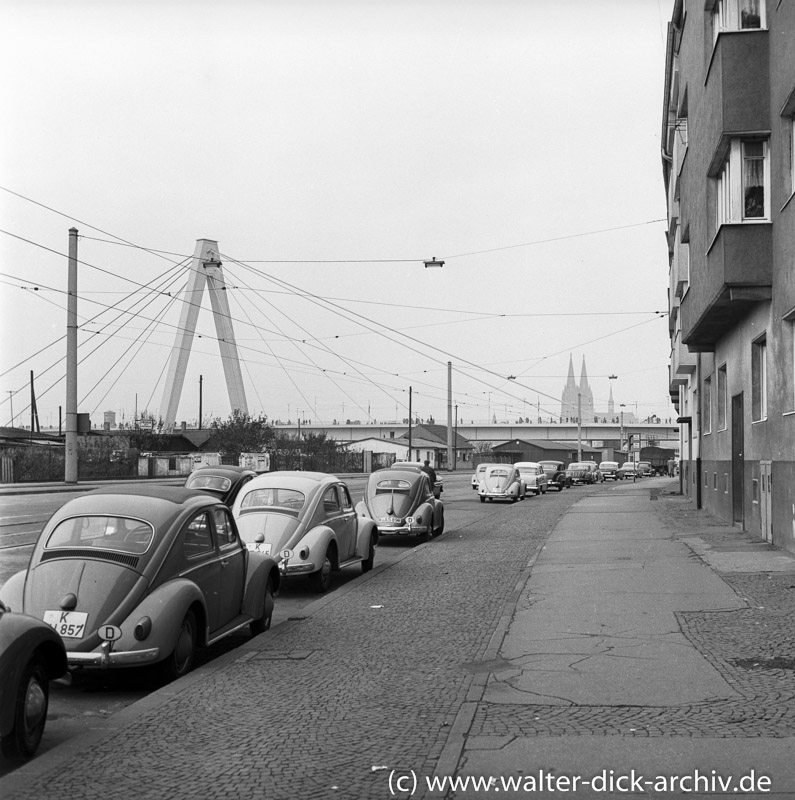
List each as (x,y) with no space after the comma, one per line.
(409,457)
(579,426)
(70,455)
(201,378)
(450,462)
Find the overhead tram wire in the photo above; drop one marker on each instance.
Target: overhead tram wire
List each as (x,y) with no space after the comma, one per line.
(94,333)
(336,355)
(322,302)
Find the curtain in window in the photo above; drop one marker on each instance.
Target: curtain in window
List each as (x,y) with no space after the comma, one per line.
(750,16)
(753,180)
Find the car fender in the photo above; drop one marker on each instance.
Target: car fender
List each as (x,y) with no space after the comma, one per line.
(366,531)
(21,637)
(166,606)
(362,510)
(426,512)
(13,591)
(317,539)
(259,569)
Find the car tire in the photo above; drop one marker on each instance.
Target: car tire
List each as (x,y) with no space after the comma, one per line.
(440,530)
(367,563)
(482,499)
(30,712)
(320,581)
(180,662)
(263,624)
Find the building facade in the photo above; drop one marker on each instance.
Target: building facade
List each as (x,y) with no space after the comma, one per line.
(728,150)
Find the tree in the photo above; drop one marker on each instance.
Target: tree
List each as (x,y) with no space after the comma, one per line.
(240,433)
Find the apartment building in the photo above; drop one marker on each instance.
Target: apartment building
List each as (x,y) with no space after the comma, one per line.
(728,156)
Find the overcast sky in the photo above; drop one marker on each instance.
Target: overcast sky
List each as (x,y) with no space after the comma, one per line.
(330,148)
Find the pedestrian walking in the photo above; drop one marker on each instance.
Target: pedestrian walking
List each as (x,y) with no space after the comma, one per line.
(671,468)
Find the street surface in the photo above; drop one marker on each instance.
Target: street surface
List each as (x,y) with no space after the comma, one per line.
(608,641)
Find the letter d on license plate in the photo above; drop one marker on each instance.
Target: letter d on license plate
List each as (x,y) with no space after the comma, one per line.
(69,624)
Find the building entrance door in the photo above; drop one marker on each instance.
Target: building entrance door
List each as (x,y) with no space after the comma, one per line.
(738,464)
(765,504)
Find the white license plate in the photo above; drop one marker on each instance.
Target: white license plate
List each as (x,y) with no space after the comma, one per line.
(391,520)
(259,547)
(69,624)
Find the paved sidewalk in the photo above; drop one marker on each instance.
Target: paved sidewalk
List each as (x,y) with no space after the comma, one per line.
(639,634)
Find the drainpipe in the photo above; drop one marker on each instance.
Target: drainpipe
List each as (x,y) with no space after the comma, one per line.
(698,432)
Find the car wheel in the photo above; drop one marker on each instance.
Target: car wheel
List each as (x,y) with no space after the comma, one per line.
(367,564)
(180,662)
(482,499)
(320,581)
(30,712)
(440,530)
(263,624)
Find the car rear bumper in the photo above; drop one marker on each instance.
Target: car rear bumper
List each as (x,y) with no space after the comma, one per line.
(105,658)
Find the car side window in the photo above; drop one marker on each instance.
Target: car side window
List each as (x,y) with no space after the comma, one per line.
(224,528)
(347,503)
(198,539)
(331,503)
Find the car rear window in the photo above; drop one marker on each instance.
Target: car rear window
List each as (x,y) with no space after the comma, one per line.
(123,534)
(215,482)
(392,486)
(273,498)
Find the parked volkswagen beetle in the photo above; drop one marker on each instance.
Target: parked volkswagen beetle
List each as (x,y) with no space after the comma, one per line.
(307,522)
(223,482)
(501,482)
(400,500)
(137,575)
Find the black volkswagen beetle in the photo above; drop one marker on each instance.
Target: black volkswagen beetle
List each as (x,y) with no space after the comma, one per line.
(400,500)
(31,655)
(223,482)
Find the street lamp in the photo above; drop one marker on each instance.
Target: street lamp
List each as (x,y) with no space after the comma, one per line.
(621,435)
(433,263)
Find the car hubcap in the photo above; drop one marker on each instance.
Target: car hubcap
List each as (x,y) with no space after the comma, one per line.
(35,705)
(183,652)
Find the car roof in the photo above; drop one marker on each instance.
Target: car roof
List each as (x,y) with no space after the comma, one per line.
(224,469)
(291,478)
(527,464)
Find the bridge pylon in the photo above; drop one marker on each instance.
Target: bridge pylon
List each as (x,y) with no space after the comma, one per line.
(205,269)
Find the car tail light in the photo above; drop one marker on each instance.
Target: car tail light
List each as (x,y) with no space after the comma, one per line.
(303,553)
(142,628)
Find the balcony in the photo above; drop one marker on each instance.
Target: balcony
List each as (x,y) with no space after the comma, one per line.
(737,90)
(737,274)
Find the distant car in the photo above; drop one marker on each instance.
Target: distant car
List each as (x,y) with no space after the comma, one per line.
(31,655)
(221,482)
(644,469)
(479,473)
(438,484)
(628,470)
(400,501)
(307,522)
(610,471)
(556,475)
(584,472)
(501,482)
(534,477)
(139,574)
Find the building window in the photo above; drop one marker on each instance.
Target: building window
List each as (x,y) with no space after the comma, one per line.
(738,15)
(706,397)
(759,379)
(722,397)
(743,183)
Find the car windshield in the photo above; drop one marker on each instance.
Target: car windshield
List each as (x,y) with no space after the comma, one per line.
(578,466)
(273,498)
(627,465)
(215,483)
(109,533)
(528,471)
